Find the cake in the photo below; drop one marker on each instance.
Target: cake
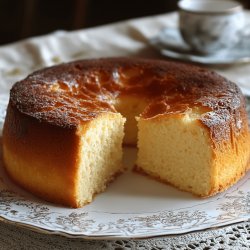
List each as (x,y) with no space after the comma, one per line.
(64,128)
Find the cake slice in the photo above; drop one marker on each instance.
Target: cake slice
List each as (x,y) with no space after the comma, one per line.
(66,165)
(184,151)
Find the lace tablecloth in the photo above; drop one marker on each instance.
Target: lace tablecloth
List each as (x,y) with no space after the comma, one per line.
(236,237)
(128,38)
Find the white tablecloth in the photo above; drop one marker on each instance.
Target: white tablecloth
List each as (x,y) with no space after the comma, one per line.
(129,38)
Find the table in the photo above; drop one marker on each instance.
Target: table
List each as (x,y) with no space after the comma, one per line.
(232,237)
(129,38)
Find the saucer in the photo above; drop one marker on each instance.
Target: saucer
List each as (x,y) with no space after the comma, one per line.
(170,44)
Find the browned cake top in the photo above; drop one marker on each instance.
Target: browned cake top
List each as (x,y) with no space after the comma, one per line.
(70,93)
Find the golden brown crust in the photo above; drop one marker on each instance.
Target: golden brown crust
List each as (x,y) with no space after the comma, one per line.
(29,145)
(71,93)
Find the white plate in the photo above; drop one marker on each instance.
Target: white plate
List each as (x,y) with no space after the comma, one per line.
(133,206)
(171,45)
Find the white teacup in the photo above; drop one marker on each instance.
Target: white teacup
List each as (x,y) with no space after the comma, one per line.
(208,26)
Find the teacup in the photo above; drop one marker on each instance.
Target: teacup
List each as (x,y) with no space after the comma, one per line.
(208,26)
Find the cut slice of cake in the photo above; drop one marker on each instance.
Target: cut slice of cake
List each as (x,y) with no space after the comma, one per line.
(182,150)
(66,165)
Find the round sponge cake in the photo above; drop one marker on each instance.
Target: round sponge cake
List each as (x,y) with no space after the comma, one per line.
(64,128)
